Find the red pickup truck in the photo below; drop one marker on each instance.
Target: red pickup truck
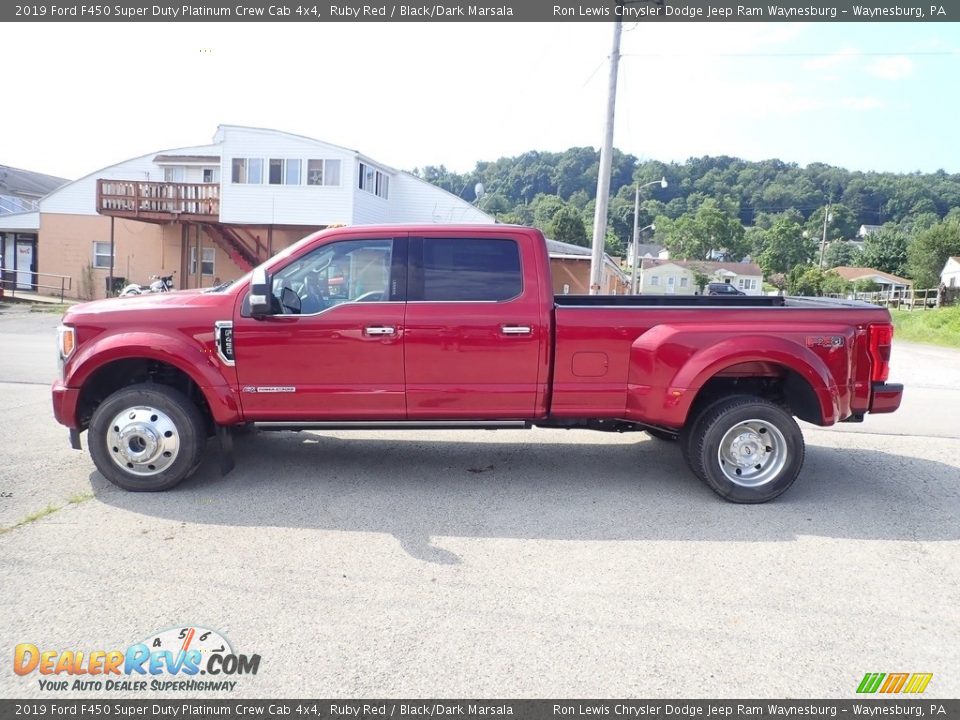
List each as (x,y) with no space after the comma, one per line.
(457,327)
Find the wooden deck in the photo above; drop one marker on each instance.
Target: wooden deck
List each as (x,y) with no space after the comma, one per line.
(159,201)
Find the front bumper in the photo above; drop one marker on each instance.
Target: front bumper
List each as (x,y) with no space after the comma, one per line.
(65,400)
(885,397)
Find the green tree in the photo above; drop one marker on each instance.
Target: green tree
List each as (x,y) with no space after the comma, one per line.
(567,226)
(885,250)
(694,236)
(806,280)
(544,207)
(842,224)
(700,279)
(840,253)
(833,284)
(929,251)
(865,285)
(782,246)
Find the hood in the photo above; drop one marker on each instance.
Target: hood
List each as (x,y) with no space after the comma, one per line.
(157,302)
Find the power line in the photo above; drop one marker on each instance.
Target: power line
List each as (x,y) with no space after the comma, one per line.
(852,55)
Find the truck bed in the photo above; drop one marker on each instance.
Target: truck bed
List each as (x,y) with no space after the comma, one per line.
(697,301)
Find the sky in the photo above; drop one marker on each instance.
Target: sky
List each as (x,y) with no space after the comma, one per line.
(864,96)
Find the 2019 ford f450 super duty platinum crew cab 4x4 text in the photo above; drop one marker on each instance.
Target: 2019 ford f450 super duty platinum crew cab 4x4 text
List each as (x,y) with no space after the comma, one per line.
(457,327)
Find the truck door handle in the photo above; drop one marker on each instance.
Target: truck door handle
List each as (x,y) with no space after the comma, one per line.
(379,330)
(515,329)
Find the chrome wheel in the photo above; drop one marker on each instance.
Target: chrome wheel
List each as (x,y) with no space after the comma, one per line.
(143,441)
(752,453)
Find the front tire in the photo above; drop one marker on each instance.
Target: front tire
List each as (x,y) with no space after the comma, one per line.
(746,449)
(146,438)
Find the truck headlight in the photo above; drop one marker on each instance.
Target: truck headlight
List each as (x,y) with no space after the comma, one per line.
(66,343)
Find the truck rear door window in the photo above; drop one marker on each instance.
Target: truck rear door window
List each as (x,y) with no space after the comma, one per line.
(466,269)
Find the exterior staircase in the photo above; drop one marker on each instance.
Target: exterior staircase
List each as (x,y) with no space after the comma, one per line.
(244,248)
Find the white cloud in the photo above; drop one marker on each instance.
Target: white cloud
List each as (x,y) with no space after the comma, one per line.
(861,103)
(892,68)
(831,61)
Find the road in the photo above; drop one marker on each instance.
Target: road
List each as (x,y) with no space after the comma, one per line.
(495,564)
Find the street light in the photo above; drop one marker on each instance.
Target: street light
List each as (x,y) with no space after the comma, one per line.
(636,256)
(662,182)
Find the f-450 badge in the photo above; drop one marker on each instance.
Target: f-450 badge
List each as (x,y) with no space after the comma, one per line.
(827,341)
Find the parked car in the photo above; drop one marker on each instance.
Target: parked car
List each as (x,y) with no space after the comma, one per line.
(719,288)
(457,327)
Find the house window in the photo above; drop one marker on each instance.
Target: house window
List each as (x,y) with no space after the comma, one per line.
(374,181)
(684,282)
(740,283)
(284,172)
(247,171)
(175,174)
(291,172)
(211,175)
(101,255)
(654,279)
(323,172)
(206,266)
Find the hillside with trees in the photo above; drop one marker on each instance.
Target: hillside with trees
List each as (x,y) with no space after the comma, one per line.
(770,211)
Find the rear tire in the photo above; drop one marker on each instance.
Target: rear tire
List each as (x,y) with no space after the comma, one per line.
(746,449)
(147,437)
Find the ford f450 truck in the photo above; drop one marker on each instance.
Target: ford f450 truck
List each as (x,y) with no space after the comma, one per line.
(458,327)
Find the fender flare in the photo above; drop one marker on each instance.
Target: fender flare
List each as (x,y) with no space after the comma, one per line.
(194,361)
(681,390)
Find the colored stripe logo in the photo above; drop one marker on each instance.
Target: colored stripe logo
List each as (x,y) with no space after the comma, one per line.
(894,683)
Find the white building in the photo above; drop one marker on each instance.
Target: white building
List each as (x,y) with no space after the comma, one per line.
(678,277)
(950,275)
(209,213)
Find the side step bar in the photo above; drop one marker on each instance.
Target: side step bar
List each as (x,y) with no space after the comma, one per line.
(398,425)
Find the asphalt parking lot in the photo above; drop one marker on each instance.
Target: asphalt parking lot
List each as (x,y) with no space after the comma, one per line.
(495,564)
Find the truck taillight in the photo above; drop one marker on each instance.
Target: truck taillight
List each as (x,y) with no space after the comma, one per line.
(881,340)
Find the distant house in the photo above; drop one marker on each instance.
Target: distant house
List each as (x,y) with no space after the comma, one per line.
(678,277)
(868,230)
(886,281)
(570,268)
(646,250)
(950,275)
(20,192)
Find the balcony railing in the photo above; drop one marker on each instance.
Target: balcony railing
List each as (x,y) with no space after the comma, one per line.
(157,200)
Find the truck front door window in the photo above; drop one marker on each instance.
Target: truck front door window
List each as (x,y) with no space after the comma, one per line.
(343,272)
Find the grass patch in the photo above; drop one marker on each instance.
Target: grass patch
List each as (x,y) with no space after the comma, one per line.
(48,510)
(934,327)
(55,309)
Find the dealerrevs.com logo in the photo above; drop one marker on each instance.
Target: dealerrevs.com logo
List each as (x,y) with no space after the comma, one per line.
(186,658)
(894,683)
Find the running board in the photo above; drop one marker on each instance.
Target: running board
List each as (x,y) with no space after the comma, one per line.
(398,425)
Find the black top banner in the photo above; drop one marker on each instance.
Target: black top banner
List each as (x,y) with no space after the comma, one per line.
(489,11)
(418,709)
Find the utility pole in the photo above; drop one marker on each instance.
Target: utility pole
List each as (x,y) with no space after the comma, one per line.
(606,160)
(823,240)
(636,241)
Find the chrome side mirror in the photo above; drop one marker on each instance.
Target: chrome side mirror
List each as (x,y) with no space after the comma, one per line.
(260,293)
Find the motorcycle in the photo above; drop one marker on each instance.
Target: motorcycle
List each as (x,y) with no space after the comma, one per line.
(159,284)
